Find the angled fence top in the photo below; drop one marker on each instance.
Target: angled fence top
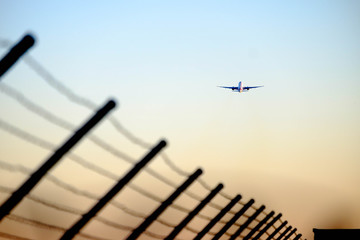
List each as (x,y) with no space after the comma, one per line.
(110,213)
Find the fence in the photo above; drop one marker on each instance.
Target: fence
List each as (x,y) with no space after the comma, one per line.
(207,214)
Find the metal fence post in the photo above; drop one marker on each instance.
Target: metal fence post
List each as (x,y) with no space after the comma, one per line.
(272,235)
(298,237)
(22,191)
(248,221)
(15,53)
(233,219)
(70,233)
(217,217)
(284,233)
(259,225)
(291,233)
(146,223)
(267,227)
(192,214)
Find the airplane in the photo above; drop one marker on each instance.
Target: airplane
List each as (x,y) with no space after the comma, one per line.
(240,88)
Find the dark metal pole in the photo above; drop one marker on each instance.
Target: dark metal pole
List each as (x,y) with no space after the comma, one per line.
(259,225)
(22,191)
(233,219)
(146,223)
(15,53)
(70,233)
(283,234)
(267,227)
(298,237)
(247,223)
(192,214)
(291,233)
(218,217)
(272,235)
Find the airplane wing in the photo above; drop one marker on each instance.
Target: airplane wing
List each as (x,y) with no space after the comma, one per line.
(247,88)
(232,88)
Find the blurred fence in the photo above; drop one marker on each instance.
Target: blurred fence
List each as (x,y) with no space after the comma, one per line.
(178,210)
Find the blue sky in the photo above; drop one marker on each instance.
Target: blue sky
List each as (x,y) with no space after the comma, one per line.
(163,60)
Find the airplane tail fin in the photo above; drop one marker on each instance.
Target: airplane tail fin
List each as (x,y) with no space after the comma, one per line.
(240,87)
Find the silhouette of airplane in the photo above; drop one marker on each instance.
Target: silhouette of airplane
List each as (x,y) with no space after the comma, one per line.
(240,88)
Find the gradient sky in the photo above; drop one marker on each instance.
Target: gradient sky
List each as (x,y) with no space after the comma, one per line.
(292,145)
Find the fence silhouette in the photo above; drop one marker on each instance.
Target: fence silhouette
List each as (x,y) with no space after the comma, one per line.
(205,218)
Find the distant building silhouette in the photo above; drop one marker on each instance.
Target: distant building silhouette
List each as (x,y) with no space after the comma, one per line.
(336,234)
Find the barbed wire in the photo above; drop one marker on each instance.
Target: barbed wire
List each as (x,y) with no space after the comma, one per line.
(40,111)
(60,183)
(63,123)
(75,211)
(47,115)
(62,89)
(85,102)
(45,144)
(98,218)
(89,195)
(72,96)
(69,187)
(35,223)
(11,236)
(49,146)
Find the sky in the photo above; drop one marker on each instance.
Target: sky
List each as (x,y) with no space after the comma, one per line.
(292,145)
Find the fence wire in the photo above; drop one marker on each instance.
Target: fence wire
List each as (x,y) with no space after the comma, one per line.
(52,118)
